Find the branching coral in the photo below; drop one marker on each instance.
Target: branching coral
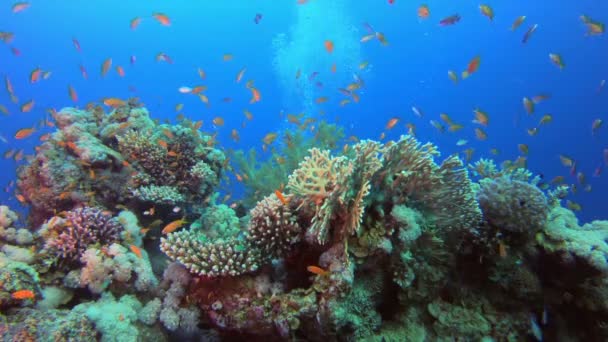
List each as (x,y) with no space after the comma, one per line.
(412,177)
(69,237)
(223,257)
(337,186)
(262,177)
(273,228)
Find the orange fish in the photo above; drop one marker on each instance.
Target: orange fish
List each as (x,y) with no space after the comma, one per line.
(329,46)
(162,18)
(481,117)
(171,227)
(391,123)
(316,270)
(255,96)
(114,102)
(480,134)
(162,143)
(27,107)
(282,198)
(136,251)
(23,294)
(322,99)
(72,93)
(105,66)
(35,75)
(473,65)
(423,12)
(120,71)
(135,22)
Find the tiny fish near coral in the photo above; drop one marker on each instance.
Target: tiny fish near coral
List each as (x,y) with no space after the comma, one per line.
(23,294)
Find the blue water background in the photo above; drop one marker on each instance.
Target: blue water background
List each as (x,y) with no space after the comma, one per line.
(410,71)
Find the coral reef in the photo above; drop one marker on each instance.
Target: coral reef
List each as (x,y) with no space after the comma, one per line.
(374,242)
(45,325)
(122,157)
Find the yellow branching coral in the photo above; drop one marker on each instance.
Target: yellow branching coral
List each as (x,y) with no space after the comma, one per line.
(318,175)
(337,186)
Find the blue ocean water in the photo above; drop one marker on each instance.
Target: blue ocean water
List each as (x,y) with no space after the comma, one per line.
(410,71)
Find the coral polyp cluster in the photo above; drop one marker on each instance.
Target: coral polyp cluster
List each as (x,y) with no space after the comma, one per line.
(378,241)
(70,236)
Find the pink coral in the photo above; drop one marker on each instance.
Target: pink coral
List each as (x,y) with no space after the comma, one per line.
(81,228)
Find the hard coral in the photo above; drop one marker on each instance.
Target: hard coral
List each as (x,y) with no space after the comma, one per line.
(512,205)
(81,227)
(104,159)
(410,176)
(563,235)
(337,186)
(229,256)
(273,228)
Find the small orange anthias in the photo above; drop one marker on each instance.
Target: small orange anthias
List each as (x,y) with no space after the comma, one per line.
(23,294)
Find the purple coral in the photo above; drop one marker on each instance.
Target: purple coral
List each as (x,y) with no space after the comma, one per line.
(81,228)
